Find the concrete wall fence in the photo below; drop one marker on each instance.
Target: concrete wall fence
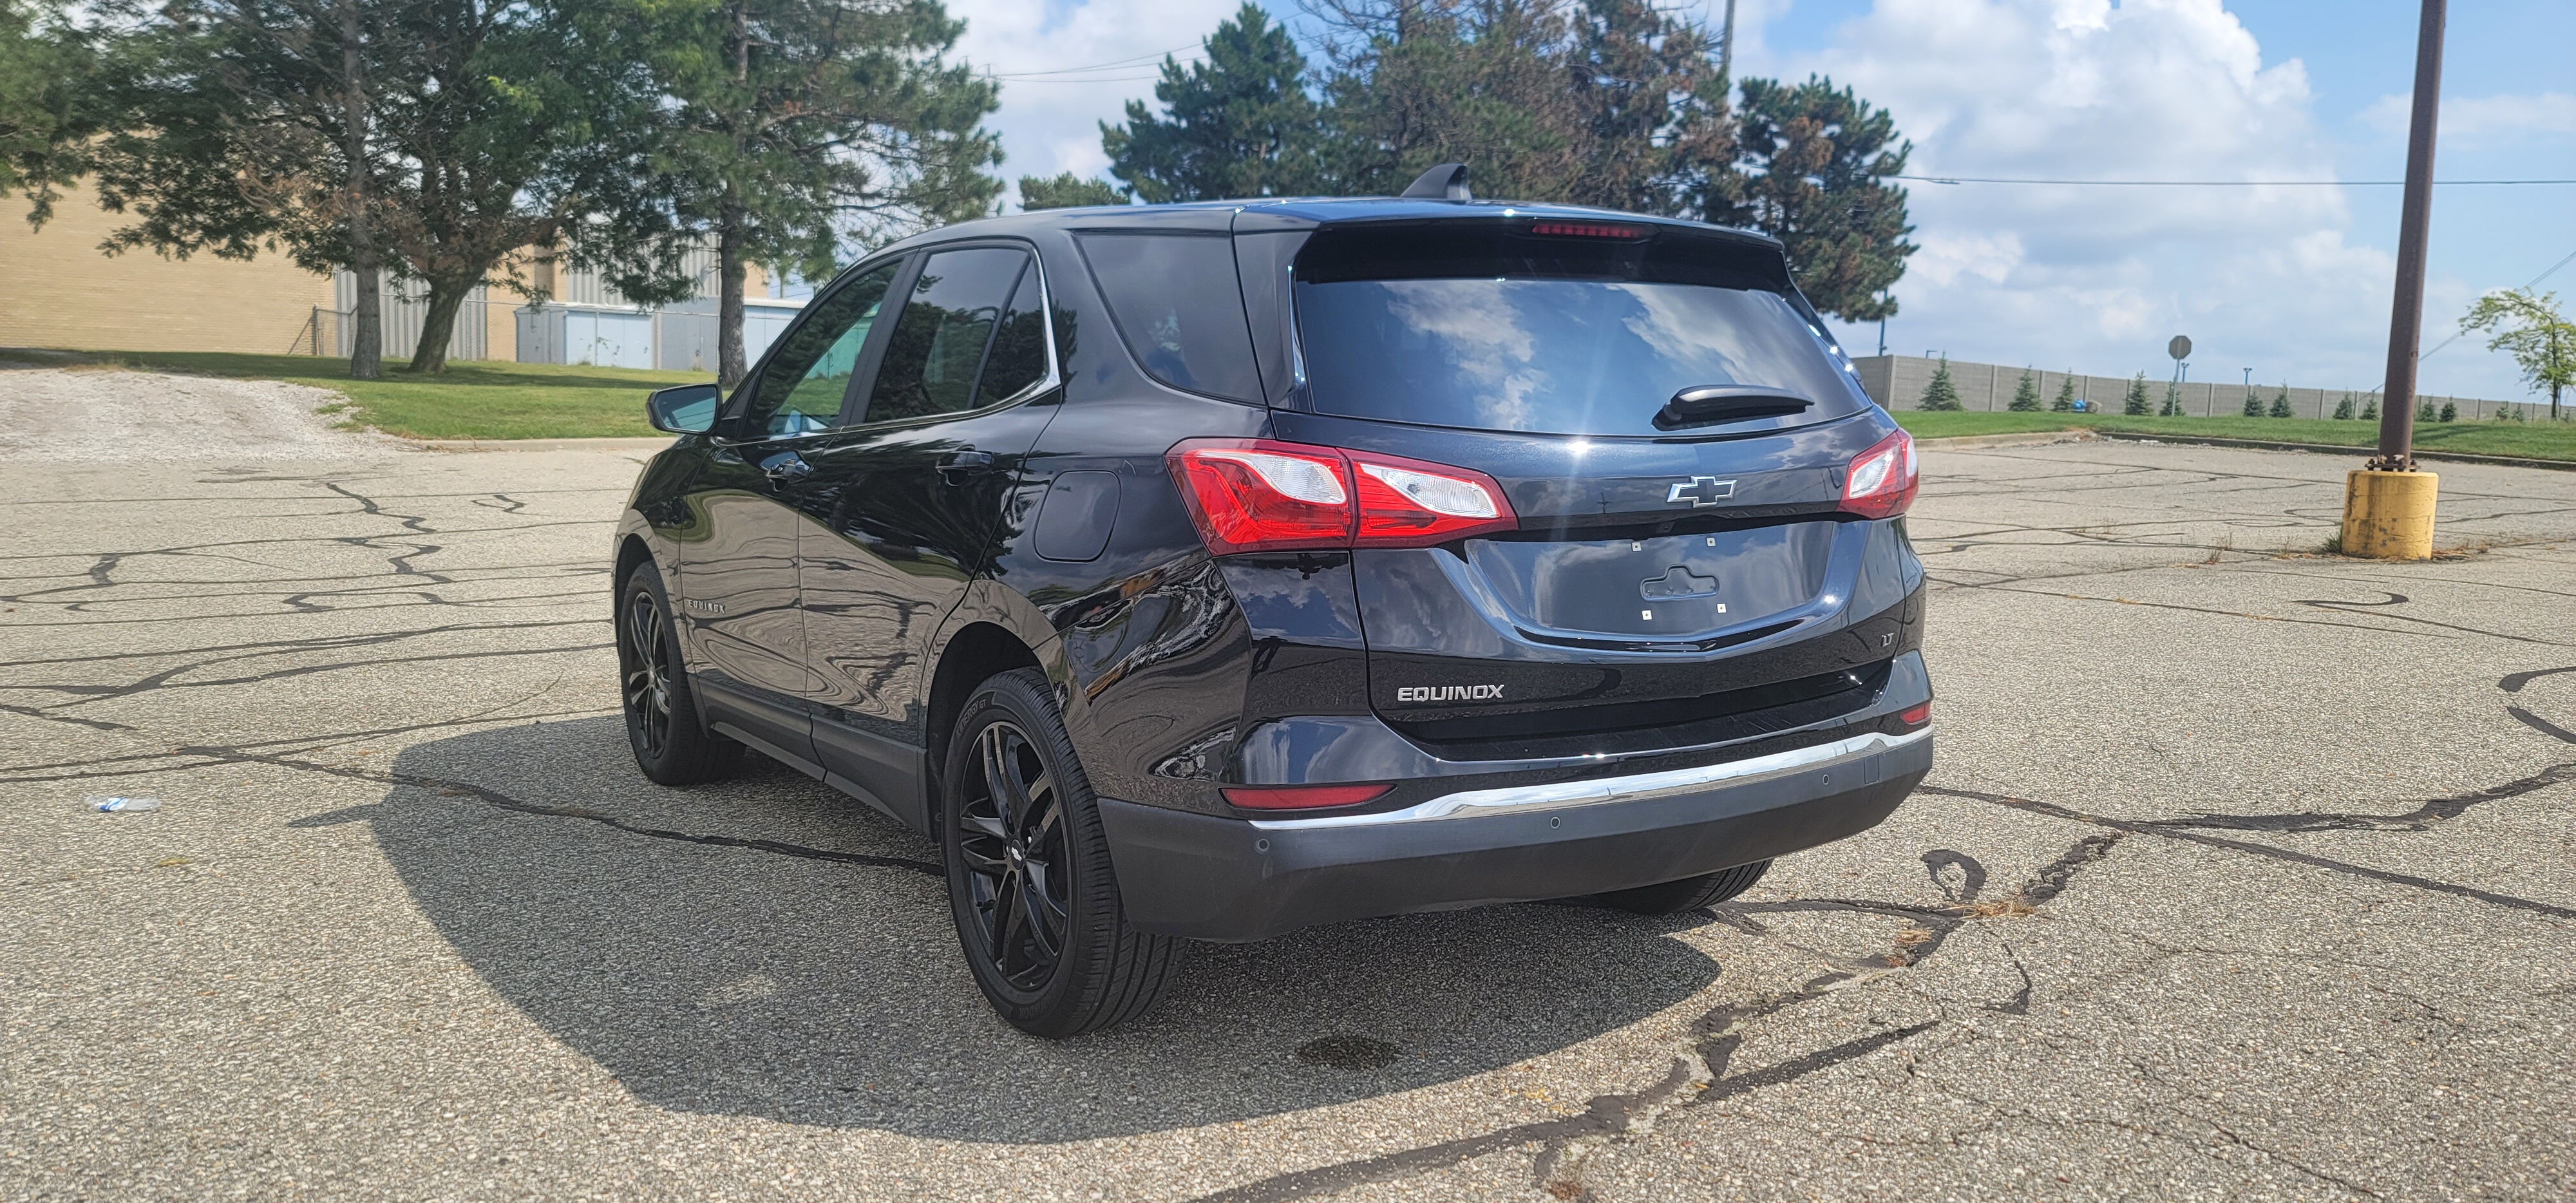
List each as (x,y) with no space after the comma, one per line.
(1898,381)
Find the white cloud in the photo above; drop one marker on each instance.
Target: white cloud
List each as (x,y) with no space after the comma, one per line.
(1051,124)
(2475,122)
(2097,278)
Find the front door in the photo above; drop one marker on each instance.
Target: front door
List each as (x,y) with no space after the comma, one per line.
(899,512)
(738,567)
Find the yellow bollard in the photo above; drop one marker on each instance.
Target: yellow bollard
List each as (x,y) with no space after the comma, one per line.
(2389,515)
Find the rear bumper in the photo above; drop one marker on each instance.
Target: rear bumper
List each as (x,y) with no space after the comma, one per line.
(1235,879)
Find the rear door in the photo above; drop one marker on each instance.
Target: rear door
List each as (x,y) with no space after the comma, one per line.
(1672,427)
(901,507)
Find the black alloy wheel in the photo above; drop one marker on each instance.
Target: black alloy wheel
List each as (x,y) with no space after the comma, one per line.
(644,658)
(1030,883)
(1010,834)
(670,740)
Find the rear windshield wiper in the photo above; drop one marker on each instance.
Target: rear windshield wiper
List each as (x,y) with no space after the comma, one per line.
(1710,405)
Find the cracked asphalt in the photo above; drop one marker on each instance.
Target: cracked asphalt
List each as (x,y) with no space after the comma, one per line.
(2244,873)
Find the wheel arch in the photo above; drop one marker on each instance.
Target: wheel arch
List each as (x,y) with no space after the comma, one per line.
(973,654)
(631,550)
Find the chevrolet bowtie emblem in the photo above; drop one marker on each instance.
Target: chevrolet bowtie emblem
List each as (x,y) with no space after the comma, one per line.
(1700,491)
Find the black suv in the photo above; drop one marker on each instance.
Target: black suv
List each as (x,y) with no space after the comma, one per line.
(1214,570)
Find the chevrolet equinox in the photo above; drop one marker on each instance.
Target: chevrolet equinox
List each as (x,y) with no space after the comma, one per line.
(1205,571)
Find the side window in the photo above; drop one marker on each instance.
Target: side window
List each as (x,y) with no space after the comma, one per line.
(1179,307)
(1018,358)
(806,381)
(943,332)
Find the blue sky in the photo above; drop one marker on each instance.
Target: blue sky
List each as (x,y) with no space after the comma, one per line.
(2293,283)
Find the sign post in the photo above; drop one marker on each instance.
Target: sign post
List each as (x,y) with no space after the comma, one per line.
(2180,349)
(2388,504)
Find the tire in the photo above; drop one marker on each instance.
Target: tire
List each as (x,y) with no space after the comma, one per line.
(670,738)
(1688,894)
(1029,880)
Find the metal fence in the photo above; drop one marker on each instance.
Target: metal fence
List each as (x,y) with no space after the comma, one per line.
(405,308)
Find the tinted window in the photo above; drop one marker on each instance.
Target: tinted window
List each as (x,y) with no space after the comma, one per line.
(1179,308)
(804,384)
(940,339)
(1018,357)
(1558,336)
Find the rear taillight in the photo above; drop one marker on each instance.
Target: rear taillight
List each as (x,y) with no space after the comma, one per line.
(1917,715)
(1264,495)
(1301,797)
(1882,480)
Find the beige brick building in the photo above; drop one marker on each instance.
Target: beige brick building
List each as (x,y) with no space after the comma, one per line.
(58,290)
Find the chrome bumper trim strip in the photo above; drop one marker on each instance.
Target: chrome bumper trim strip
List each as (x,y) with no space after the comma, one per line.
(1598,790)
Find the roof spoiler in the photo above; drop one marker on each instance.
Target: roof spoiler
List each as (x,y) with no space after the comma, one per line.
(1447,181)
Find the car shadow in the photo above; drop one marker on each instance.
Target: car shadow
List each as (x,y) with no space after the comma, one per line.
(765,946)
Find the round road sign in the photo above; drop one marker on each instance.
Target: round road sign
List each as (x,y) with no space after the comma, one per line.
(2179,347)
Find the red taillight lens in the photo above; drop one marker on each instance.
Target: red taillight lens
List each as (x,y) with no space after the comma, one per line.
(1882,480)
(1263,495)
(1915,716)
(1408,503)
(1257,495)
(1301,797)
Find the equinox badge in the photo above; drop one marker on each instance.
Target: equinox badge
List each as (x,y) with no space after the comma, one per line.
(1448,693)
(1700,491)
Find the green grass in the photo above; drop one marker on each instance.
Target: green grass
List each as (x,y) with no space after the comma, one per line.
(485,400)
(470,400)
(2530,440)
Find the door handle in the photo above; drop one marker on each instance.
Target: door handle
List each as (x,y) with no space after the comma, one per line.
(786,467)
(964,462)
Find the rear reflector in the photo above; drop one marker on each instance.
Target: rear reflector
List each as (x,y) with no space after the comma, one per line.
(1301,797)
(1585,229)
(1915,716)
(1264,495)
(1881,481)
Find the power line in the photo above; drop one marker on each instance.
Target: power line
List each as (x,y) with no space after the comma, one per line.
(1087,79)
(1128,63)
(1961,179)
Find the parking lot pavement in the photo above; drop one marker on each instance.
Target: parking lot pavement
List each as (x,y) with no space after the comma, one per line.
(2245,872)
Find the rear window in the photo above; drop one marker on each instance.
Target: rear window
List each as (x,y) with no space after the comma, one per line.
(1494,329)
(1177,304)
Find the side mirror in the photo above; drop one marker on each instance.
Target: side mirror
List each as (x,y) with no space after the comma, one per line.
(687,409)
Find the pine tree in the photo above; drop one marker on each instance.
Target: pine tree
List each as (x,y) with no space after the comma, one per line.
(2065,402)
(2370,408)
(2450,412)
(1239,124)
(2343,409)
(2025,395)
(2253,404)
(1941,395)
(2280,404)
(1820,155)
(2424,411)
(2134,404)
(1066,191)
(2173,400)
(800,128)
(47,100)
